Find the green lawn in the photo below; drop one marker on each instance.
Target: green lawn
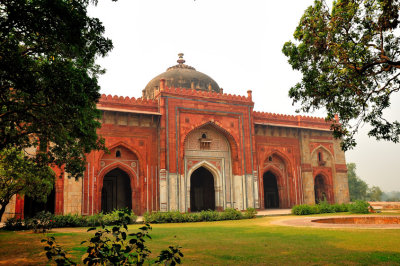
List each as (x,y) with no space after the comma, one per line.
(248,242)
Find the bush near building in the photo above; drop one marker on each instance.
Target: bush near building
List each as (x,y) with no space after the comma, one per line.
(358,206)
(44,220)
(203,216)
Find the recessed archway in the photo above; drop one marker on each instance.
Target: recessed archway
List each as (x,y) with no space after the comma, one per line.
(33,206)
(202,191)
(116,192)
(320,189)
(271,194)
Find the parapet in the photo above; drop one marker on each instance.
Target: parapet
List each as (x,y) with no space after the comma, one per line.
(119,103)
(192,93)
(300,121)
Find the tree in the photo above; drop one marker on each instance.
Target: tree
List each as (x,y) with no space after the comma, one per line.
(391,196)
(48,80)
(350,61)
(374,193)
(19,175)
(357,187)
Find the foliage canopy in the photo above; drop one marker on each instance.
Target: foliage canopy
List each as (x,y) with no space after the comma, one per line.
(350,60)
(357,187)
(48,80)
(19,175)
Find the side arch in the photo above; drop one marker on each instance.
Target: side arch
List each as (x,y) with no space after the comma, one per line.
(321,147)
(279,175)
(134,180)
(128,147)
(328,185)
(280,154)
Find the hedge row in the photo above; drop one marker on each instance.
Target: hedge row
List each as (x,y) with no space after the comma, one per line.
(177,217)
(324,207)
(48,220)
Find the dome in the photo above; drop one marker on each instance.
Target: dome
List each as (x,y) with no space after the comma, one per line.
(181,76)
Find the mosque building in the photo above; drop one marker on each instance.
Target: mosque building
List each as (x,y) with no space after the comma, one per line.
(186,145)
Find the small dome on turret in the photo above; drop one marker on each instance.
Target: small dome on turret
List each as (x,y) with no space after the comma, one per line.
(181,76)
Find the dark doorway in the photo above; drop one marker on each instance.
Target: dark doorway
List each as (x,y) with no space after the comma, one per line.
(116,192)
(202,193)
(271,194)
(33,206)
(320,189)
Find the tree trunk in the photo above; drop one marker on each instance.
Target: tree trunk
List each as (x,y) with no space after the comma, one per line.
(3,209)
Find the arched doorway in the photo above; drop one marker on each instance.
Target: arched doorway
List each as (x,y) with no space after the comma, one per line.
(116,192)
(271,194)
(33,206)
(320,189)
(202,192)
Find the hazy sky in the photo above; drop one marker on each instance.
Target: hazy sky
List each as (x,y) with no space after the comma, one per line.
(238,44)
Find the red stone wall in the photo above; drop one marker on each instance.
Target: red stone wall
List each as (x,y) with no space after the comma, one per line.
(288,177)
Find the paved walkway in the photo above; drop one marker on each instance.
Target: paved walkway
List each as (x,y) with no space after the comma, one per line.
(308,222)
(274,212)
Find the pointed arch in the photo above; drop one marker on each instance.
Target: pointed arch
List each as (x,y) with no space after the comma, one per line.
(279,175)
(133,177)
(129,148)
(231,140)
(321,147)
(280,154)
(130,172)
(232,143)
(327,188)
(218,182)
(210,167)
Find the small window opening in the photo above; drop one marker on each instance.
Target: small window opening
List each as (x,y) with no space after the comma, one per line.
(118,154)
(321,161)
(270,158)
(205,143)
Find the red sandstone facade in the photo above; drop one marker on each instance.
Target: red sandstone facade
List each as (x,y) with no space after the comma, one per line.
(159,142)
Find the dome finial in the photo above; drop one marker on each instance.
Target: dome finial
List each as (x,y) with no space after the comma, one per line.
(181,60)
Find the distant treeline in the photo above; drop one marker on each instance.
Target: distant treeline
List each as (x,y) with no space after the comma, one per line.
(360,190)
(391,196)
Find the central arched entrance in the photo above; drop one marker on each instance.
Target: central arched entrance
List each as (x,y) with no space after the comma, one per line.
(202,192)
(271,194)
(116,192)
(320,189)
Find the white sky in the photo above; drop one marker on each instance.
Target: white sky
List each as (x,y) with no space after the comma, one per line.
(238,44)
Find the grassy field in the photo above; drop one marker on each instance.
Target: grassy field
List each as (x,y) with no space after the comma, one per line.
(248,242)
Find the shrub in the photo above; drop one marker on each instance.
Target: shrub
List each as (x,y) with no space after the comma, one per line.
(322,207)
(231,214)
(95,219)
(113,247)
(210,216)
(41,222)
(325,207)
(250,213)
(14,224)
(177,217)
(303,209)
(115,217)
(360,206)
(341,207)
(70,220)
